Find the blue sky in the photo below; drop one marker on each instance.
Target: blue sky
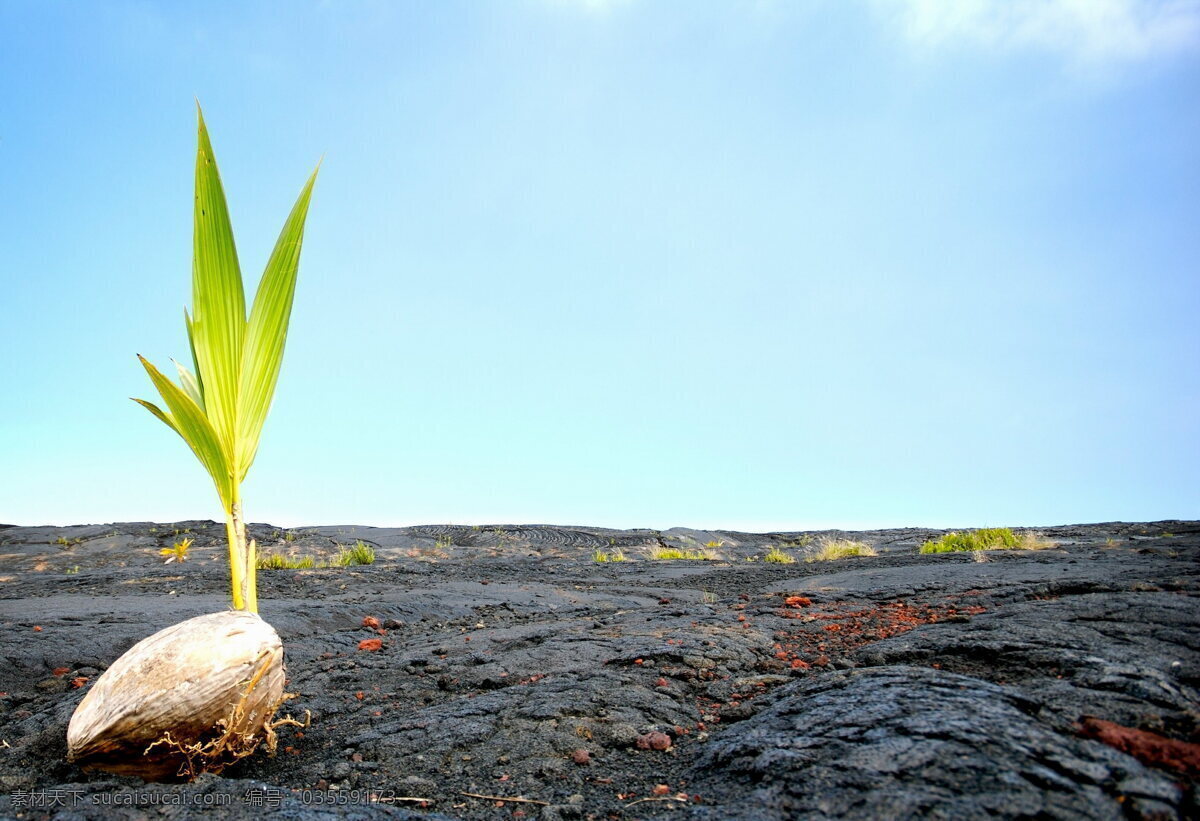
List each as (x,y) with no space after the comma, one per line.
(751,265)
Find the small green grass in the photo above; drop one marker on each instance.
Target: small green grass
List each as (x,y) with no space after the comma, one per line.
(67,542)
(829,550)
(670,553)
(614,556)
(778,556)
(988,538)
(277,561)
(358,554)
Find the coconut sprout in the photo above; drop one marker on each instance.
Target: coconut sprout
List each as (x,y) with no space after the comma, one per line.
(219,408)
(203,693)
(194,697)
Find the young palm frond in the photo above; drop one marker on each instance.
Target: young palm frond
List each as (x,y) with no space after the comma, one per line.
(219,408)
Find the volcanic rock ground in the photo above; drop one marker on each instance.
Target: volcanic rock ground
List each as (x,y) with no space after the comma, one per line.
(1060,683)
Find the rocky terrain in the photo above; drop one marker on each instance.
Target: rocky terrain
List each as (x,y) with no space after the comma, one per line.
(503,672)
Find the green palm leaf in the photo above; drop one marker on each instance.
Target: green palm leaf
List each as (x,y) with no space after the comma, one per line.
(187,321)
(157,411)
(189,384)
(219,305)
(190,422)
(266,332)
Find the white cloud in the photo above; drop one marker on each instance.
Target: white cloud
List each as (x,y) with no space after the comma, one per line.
(1087,31)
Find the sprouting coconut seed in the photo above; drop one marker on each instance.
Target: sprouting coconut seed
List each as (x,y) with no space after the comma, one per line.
(193,697)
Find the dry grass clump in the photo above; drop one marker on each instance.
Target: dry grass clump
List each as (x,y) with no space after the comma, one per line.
(1034,540)
(777,556)
(668,553)
(615,556)
(829,549)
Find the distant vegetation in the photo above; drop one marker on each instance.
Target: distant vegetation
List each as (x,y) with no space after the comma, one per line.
(667,553)
(988,538)
(828,550)
(359,554)
(277,561)
(778,556)
(177,552)
(614,556)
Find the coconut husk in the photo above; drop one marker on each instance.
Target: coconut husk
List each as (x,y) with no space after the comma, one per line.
(194,697)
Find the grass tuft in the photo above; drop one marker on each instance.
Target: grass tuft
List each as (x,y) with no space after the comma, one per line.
(1033,540)
(778,556)
(829,550)
(614,556)
(988,538)
(359,554)
(277,561)
(346,557)
(669,553)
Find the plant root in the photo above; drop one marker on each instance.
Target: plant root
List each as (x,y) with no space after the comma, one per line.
(234,737)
